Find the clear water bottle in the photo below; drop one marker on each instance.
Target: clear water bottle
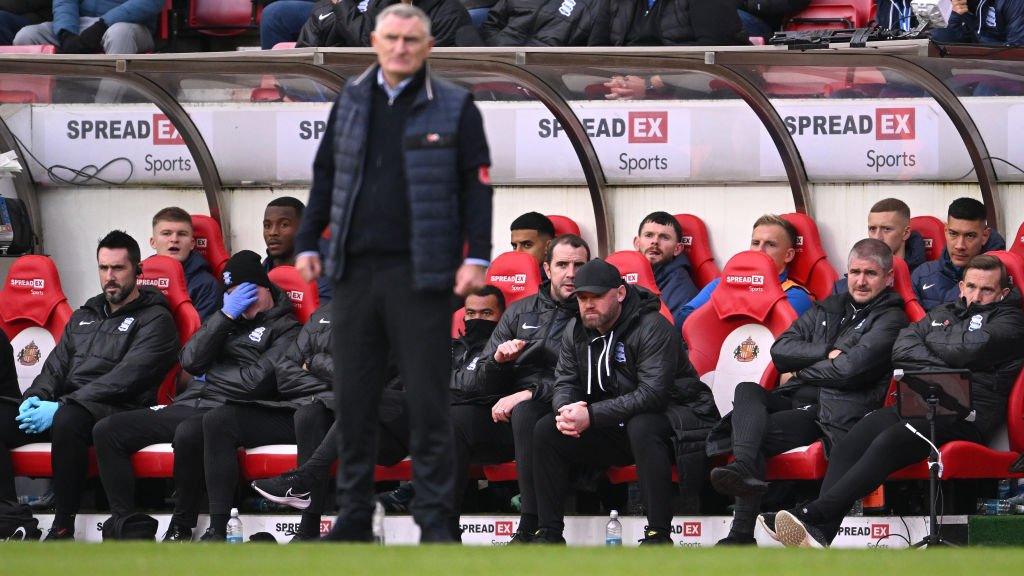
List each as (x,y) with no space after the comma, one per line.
(378,523)
(995,507)
(234,530)
(1006,489)
(613,530)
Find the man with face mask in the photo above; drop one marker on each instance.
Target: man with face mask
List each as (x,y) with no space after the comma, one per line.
(982,331)
(113,354)
(231,357)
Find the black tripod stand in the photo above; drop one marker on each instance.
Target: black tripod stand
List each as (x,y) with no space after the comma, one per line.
(933,538)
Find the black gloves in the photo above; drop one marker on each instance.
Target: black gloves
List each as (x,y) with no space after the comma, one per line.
(89,41)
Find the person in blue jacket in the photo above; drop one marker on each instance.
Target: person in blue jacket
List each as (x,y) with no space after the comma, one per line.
(889,221)
(89,26)
(967,235)
(984,22)
(776,237)
(659,239)
(174,236)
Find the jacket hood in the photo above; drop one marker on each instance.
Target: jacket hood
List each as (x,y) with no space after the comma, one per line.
(148,296)
(672,265)
(544,296)
(914,252)
(638,302)
(1012,300)
(194,264)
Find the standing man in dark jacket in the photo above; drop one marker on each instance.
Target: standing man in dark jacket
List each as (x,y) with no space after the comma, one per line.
(174,236)
(889,221)
(621,369)
(231,357)
(659,239)
(113,354)
(835,365)
(16,14)
(402,178)
(983,331)
(967,235)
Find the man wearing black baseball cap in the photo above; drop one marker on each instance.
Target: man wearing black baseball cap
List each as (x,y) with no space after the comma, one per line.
(232,358)
(624,393)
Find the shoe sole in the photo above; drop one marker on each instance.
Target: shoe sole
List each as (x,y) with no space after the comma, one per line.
(792,532)
(767,530)
(297,503)
(729,483)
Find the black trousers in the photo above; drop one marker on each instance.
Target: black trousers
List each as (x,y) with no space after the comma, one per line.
(874,448)
(763,425)
(478,440)
(121,435)
(383,315)
(524,420)
(645,439)
(70,438)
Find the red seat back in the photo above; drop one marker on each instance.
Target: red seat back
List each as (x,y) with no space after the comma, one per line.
(33,313)
(832,14)
(933,231)
(1015,415)
(221,17)
(564,225)
(283,46)
(516,274)
(902,285)
(1014,264)
(459,323)
(635,268)
(731,336)
(304,295)
(210,242)
(22,88)
(810,267)
(697,247)
(1017,245)
(166,274)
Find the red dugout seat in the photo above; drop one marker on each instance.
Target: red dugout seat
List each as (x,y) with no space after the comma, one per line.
(276,459)
(516,274)
(564,225)
(636,269)
(831,14)
(1016,245)
(902,285)
(810,267)
(731,336)
(166,274)
(304,295)
(223,17)
(933,231)
(697,247)
(210,242)
(25,89)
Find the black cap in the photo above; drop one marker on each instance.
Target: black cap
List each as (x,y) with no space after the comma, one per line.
(245,266)
(597,277)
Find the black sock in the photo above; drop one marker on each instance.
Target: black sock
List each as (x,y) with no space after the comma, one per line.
(745,515)
(219,523)
(309,525)
(528,523)
(62,520)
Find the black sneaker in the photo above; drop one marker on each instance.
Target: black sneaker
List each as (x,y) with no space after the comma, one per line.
(737,540)
(794,531)
(213,536)
(291,489)
(733,480)
(350,532)
(397,501)
(520,537)
(545,536)
(766,521)
(303,537)
(55,534)
(177,533)
(656,538)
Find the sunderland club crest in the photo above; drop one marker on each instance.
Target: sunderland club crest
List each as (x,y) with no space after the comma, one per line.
(29,355)
(747,351)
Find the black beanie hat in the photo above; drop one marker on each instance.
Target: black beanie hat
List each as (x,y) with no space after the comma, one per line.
(245,266)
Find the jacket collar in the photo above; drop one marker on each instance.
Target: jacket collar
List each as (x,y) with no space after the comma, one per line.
(365,81)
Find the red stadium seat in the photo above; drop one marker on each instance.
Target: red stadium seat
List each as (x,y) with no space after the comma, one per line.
(223,17)
(283,46)
(25,89)
(902,285)
(810,267)
(831,14)
(933,231)
(459,322)
(564,225)
(166,274)
(210,242)
(1016,245)
(276,459)
(731,336)
(304,295)
(697,247)
(516,274)
(636,269)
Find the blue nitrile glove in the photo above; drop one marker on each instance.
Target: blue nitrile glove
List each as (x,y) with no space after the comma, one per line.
(38,419)
(239,300)
(30,402)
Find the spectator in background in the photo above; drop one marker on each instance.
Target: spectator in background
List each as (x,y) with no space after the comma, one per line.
(16,14)
(763,17)
(967,235)
(776,237)
(889,221)
(349,23)
(547,23)
(280,224)
(531,233)
(282,20)
(89,26)
(675,23)
(173,236)
(984,22)
(334,24)
(659,239)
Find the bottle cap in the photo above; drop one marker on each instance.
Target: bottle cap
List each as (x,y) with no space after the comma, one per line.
(615,514)
(234,511)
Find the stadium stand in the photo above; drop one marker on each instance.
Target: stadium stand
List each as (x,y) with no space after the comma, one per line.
(210,242)
(810,267)
(304,295)
(166,274)
(697,247)
(933,231)
(636,269)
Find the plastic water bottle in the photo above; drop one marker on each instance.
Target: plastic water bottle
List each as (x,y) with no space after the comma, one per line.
(613,530)
(378,523)
(1006,489)
(997,507)
(234,530)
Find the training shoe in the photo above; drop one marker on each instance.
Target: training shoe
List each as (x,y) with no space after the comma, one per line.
(545,536)
(520,537)
(55,534)
(737,540)
(397,501)
(656,538)
(766,521)
(343,531)
(213,536)
(302,537)
(177,533)
(794,531)
(291,489)
(732,480)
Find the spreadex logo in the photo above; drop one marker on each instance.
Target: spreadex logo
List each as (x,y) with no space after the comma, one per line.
(497,528)
(753,280)
(509,278)
(202,243)
(296,296)
(873,531)
(160,129)
(33,284)
(161,283)
(292,528)
(886,124)
(641,127)
(631,278)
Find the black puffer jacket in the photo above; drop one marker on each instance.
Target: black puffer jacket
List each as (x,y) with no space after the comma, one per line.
(298,386)
(111,362)
(235,359)
(639,366)
(987,340)
(547,23)
(467,352)
(449,21)
(335,25)
(854,383)
(8,373)
(773,9)
(675,22)
(539,320)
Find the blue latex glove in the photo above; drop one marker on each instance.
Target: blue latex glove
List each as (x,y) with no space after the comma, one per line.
(30,402)
(238,300)
(38,419)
